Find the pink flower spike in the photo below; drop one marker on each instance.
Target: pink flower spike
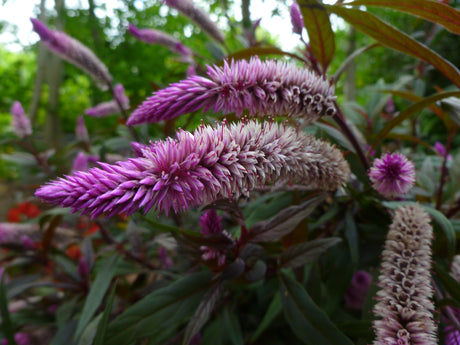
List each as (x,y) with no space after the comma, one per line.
(110,107)
(356,292)
(81,132)
(80,162)
(392,175)
(73,51)
(258,88)
(152,36)
(21,123)
(296,19)
(441,149)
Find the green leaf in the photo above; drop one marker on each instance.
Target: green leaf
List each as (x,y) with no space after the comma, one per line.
(409,111)
(320,34)
(203,312)
(351,234)
(448,282)
(97,292)
(160,311)
(309,323)
(102,326)
(89,333)
(393,38)
(6,324)
(272,312)
(440,218)
(285,221)
(303,253)
(434,11)
(232,326)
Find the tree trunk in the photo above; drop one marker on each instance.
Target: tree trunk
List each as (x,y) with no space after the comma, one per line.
(41,65)
(53,131)
(349,87)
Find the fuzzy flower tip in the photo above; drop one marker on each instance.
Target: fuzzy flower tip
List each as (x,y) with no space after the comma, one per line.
(264,88)
(404,304)
(21,123)
(211,224)
(393,174)
(73,51)
(198,168)
(81,132)
(152,36)
(356,292)
(110,107)
(296,19)
(200,17)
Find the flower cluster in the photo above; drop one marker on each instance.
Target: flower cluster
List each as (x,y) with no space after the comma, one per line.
(189,9)
(213,163)
(111,107)
(211,224)
(264,88)
(404,299)
(21,123)
(73,51)
(392,175)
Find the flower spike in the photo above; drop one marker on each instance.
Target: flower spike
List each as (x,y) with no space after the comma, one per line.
(264,88)
(198,168)
(73,51)
(404,299)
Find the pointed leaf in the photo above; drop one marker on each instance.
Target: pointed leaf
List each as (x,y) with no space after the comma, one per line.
(272,312)
(308,322)
(102,326)
(97,292)
(320,34)
(159,311)
(285,221)
(448,282)
(410,111)
(204,311)
(434,11)
(303,253)
(6,325)
(393,38)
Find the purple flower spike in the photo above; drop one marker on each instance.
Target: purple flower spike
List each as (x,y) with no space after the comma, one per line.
(73,51)
(211,223)
(152,36)
(356,292)
(199,168)
(111,107)
(81,132)
(21,123)
(296,19)
(200,17)
(404,301)
(264,88)
(393,174)
(80,162)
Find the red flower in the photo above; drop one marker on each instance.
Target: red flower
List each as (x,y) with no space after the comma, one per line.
(73,252)
(23,211)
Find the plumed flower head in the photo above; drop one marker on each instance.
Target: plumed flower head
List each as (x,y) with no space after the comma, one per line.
(196,169)
(152,36)
(296,19)
(110,107)
(200,17)
(263,88)
(73,51)
(405,297)
(393,174)
(21,123)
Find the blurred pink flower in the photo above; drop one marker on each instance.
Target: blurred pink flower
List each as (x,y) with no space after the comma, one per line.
(296,19)
(21,123)
(356,292)
(392,174)
(211,224)
(441,149)
(81,132)
(110,107)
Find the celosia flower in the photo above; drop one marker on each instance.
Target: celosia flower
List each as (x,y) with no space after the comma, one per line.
(452,334)
(441,149)
(111,107)
(196,169)
(22,338)
(83,269)
(393,174)
(211,224)
(23,211)
(356,292)
(165,259)
(264,88)
(152,36)
(80,162)
(404,304)
(200,17)
(21,123)
(296,19)
(81,132)
(73,51)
